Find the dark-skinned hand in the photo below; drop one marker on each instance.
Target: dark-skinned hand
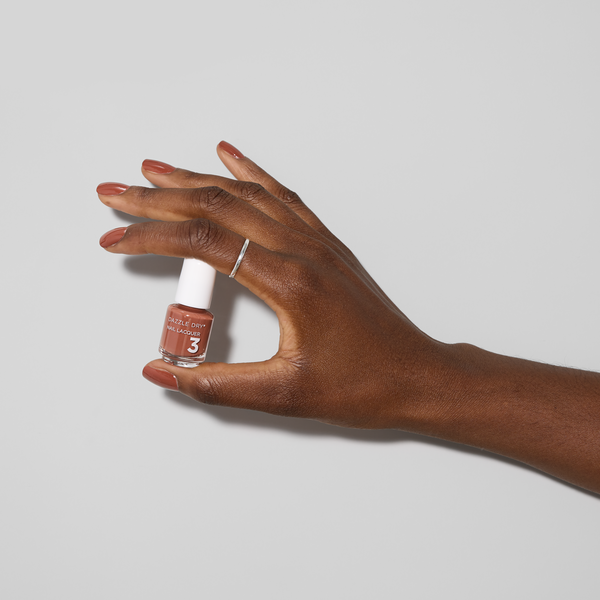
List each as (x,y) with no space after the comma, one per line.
(347,355)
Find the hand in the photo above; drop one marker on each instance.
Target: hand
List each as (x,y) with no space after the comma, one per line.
(346,356)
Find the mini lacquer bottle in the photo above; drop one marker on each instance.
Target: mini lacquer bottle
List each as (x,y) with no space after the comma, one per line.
(188,322)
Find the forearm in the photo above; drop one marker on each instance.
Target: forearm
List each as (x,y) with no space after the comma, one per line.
(542,415)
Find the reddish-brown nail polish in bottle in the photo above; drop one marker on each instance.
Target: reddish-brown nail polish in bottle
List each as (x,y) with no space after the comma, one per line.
(188,322)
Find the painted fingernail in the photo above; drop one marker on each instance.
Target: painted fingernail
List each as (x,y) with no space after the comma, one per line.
(110,238)
(160,377)
(158,167)
(231,150)
(111,189)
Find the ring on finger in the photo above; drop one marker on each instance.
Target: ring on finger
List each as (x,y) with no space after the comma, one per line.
(238,262)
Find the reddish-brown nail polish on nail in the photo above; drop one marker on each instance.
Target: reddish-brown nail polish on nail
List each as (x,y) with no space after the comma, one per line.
(160,377)
(157,167)
(110,238)
(231,150)
(111,188)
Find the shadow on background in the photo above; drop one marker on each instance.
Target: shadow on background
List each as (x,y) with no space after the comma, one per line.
(226,294)
(306,427)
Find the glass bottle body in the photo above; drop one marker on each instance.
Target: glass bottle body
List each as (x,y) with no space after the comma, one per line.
(185,335)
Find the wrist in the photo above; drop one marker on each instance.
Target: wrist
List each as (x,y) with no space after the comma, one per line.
(463,394)
(539,414)
(434,394)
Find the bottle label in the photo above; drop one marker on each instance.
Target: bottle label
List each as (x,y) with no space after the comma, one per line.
(186,333)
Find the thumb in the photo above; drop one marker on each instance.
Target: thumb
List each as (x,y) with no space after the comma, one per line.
(264,386)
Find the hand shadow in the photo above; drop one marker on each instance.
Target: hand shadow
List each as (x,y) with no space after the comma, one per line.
(226,295)
(308,428)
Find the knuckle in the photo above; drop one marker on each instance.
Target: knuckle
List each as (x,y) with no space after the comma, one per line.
(207,391)
(199,234)
(213,198)
(143,194)
(288,196)
(189,179)
(250,191)
(321,252)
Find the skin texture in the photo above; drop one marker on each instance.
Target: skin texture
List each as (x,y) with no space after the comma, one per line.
(347,355)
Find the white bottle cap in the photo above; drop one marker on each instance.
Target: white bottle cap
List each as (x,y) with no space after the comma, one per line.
(196,284)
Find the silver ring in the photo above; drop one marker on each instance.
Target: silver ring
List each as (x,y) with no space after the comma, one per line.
(239,259)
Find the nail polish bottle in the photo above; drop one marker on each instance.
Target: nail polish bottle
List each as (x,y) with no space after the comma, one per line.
(188,322)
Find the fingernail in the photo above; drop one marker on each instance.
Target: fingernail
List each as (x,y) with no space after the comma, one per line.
(112,189)
(231,150)
(110,238)
(160,377)
(158,167)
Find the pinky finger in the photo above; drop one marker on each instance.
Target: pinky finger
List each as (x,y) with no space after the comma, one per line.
(244,169)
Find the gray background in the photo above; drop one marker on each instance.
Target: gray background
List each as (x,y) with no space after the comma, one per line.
(454,146)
